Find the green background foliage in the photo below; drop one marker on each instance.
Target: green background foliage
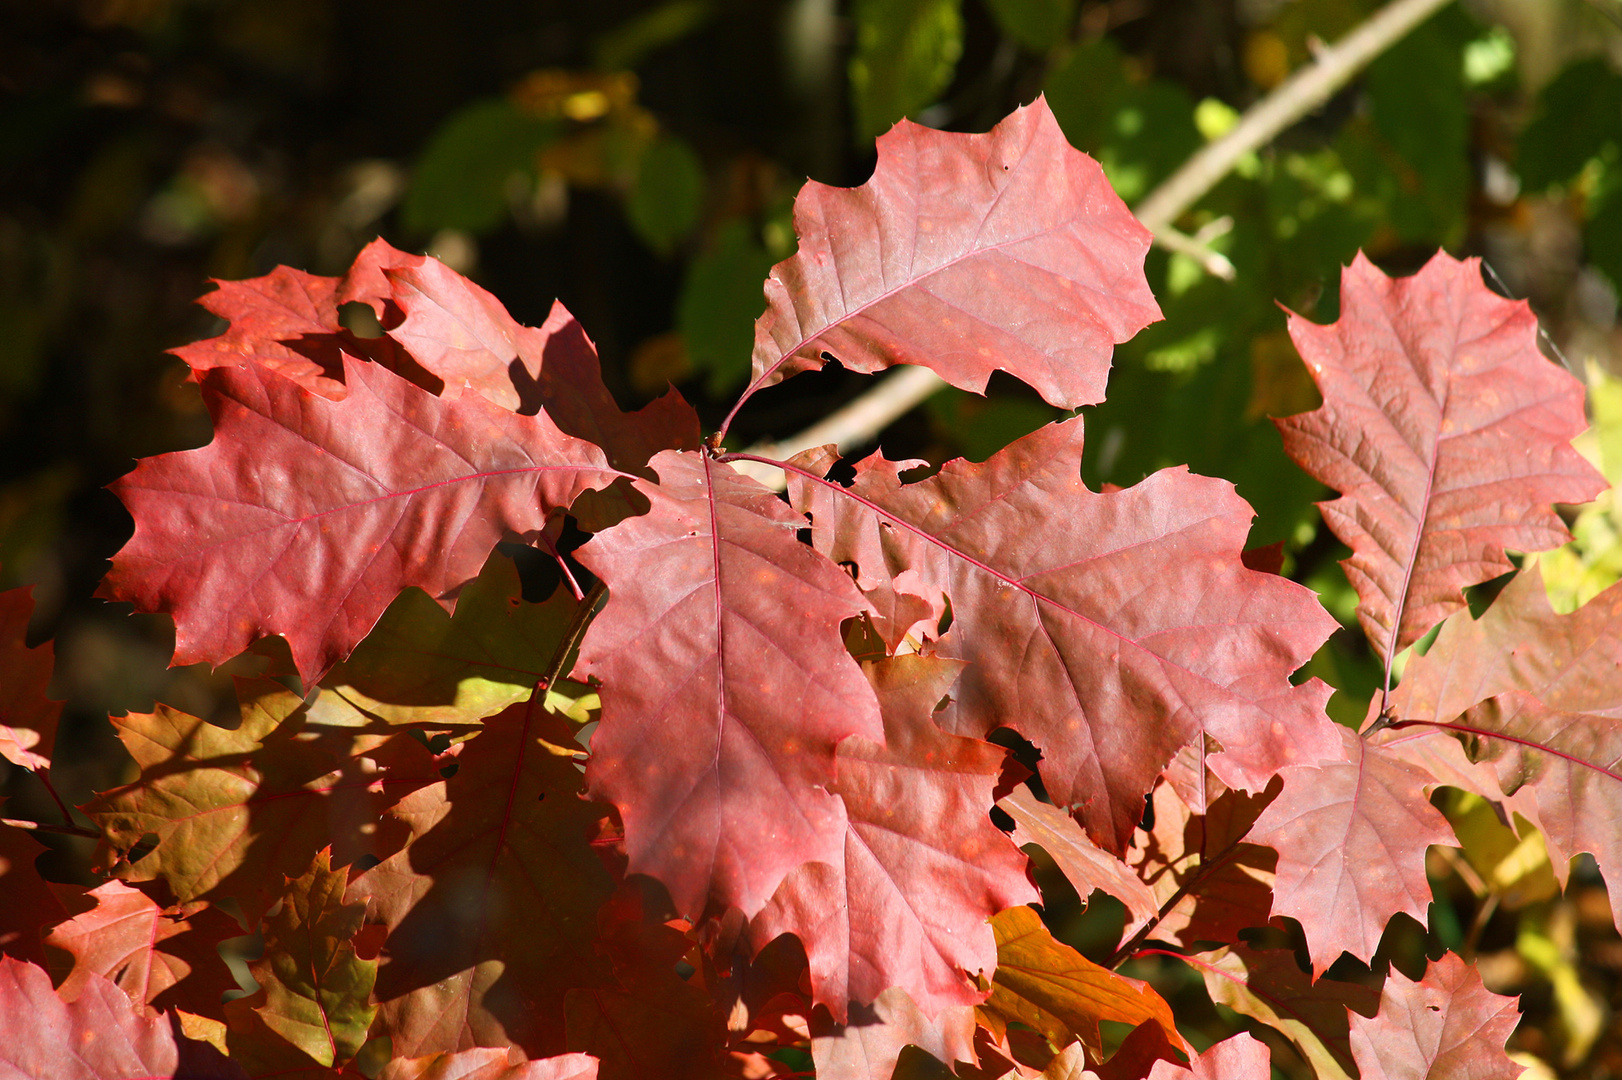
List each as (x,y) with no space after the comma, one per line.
(638,159)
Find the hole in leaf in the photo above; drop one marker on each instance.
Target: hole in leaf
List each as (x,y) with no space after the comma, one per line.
(142,848)
(359,319)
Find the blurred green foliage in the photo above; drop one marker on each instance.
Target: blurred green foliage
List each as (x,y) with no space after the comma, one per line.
(906,52)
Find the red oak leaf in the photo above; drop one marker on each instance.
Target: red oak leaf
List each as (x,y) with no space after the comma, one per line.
(315,992)
(968,254)
(923,868)
(1051,988)
(1538,697)
(287,321)
(1109,637)
(1268,985)
(1211,882)
(1568,662)
(237,812)
(305,517)
(1447,434)
(726,685)
(490,909)
(463,335)
(1351,838)
(27,717)
(490,1063)
(1445,1026)
(651,1021)
(164,958)
(1241,1057)
(100,1035)
(1085,864)
(868,1047)
(1567,767)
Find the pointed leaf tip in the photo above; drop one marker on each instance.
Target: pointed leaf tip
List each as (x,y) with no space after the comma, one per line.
(967,254)
(1447,433)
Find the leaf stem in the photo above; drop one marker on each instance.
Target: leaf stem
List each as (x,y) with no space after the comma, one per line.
(572,636)
(46,827)
(45,778)
(1130,948)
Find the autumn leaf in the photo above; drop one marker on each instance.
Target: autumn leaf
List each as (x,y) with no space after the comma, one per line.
(650,1021)
(726,685)
(490,1063)
(27,717)
(464,336)
(421,666)
(1082,862)
(1445,1025)
(306,517)
(967,254)
(237,812)
(1537,697)
(923,868)
(1241,1057)
(490,909)
(1209,882)
(1351,837)
(1268,985)
(162,957)
(1109,637)
(99,1035)
(1568,662)
(870,1044)
(1050,987)
(287,322)
(1570,764)
(1447,434)
(316,990)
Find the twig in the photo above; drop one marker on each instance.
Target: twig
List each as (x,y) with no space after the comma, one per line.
(860,421)
(1294,98)
(1212,262)
(852,425)
(575,633)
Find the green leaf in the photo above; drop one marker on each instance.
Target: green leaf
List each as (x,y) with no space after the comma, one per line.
(719,302)
(1416,94)
(1139,131)
(630,43)
(906,53)
(317,991)
(1036,24)
(1578,114)
(982,426)
(420,665)
(1080,91)
(667,195)
(461,179)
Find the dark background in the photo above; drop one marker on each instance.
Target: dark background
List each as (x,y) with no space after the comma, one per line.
(638,161)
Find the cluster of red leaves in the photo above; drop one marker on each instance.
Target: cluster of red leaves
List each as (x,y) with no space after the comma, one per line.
(777,845)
